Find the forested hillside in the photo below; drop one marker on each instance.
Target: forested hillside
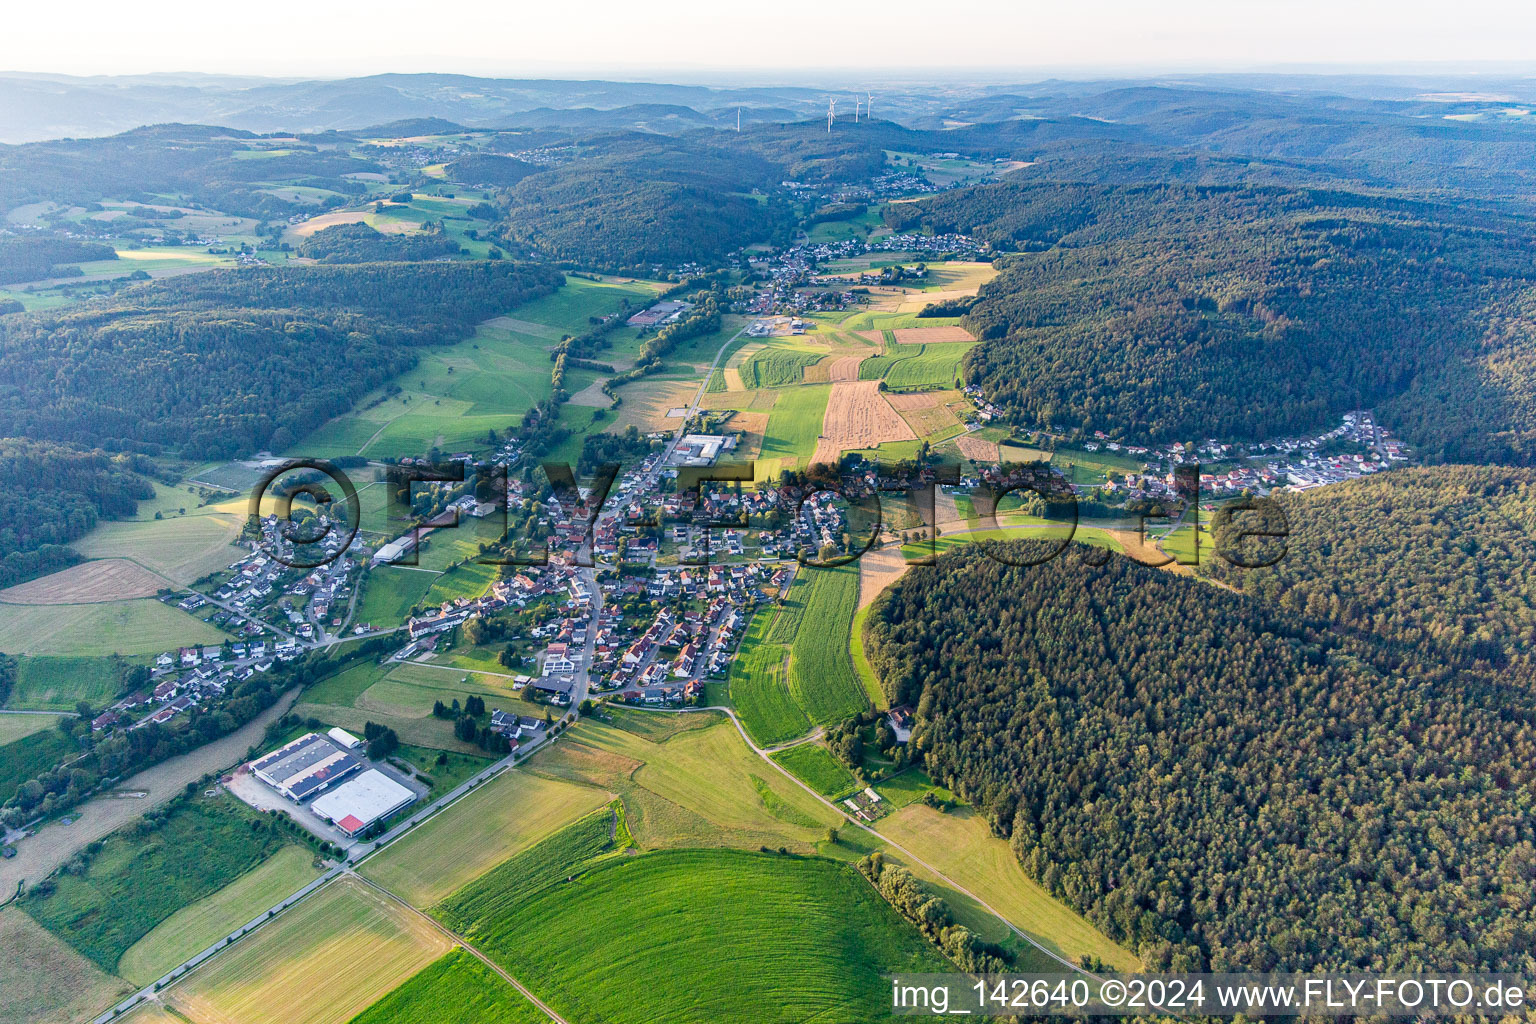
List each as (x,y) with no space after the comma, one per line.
(54,494)
(359,243)
(147,164)
(1171,312)
(31,259)
(632,201)
(229,362)
(1415,560)
(1212,781)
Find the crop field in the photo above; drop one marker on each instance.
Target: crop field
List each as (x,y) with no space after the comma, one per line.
(961,845)
(44,980)
(108,579)
(931,366)
(199,925)
(702,787)
(475,993)
(548,862)
(795,423)
(500,819)
(321,962)
(57,684)
(429,732)
(204,845)
(143,626)
(759,689)
(777,367)
(820,671)
(927,412)
(32,754)
(709,936)
(858,416)
(815,766)
(978,450)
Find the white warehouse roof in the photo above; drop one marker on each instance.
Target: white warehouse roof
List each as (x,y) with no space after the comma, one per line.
(344,739)
(363,801)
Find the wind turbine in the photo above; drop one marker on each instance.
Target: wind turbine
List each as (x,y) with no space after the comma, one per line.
(856,110)
(869,106)
(831,112)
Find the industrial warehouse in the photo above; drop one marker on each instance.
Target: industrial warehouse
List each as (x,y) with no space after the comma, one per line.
(308,765)
(346,790)
(366,799)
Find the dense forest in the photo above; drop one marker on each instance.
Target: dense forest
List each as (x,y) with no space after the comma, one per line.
(228,362)
(1417,560)
(1213,782)
(632,201)
(32,259)
(360,243)
(1171,312)
(490,169)
(56,493)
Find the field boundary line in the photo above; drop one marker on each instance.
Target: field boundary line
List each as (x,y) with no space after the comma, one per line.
(465,944)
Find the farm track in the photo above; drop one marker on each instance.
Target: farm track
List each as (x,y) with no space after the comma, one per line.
(764,753)
(466,945)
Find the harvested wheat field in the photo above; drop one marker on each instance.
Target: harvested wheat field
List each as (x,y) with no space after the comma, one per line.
(752,426)
(876,338)
(927,412)
(841,368)
(977,449)
(646,403)
(106,579)
(755,401)
(858,416)
(931,335)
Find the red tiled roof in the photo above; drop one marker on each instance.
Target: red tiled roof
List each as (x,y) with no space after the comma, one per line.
(350,824)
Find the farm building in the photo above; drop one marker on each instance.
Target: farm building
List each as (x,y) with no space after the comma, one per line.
(363,801)
(304,767)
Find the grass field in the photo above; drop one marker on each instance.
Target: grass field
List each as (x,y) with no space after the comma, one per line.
(861,667)
(30,756)
(708,936)
(961,845)
(501,818)
(15,727)
(56,684)
(815,766)
(458,988)
(203,846)
(143,626)
(321,962)
(180,548)
(700,787)
(795,423)
(759,688)
(43,980)
(197,926)
(821,675)
(389,593)
(932,366)
(455,394)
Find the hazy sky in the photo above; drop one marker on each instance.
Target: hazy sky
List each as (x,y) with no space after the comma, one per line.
(778,37)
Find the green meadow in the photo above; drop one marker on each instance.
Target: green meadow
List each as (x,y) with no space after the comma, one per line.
(715,936)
